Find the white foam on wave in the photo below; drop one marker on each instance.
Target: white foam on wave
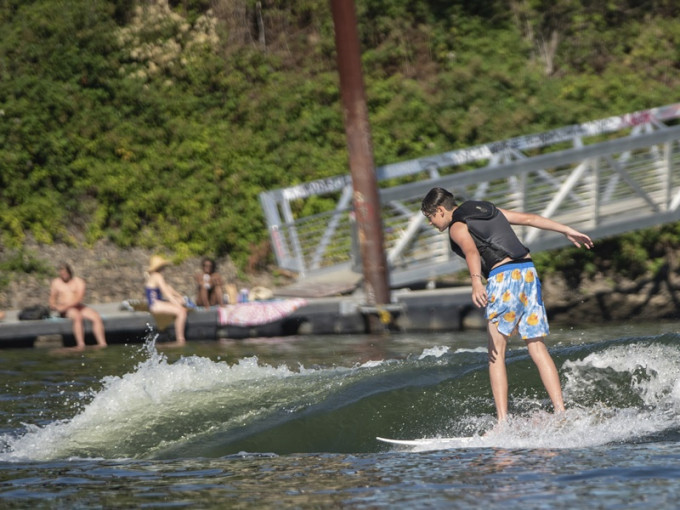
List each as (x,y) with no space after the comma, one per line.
(479,349)
(651,368)
(161,402)
(643,375)
(646,374)
(437,352)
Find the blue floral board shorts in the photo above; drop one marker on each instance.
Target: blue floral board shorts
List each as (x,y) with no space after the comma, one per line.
(515,300)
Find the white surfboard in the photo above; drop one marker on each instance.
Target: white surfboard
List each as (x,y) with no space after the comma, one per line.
(443,442)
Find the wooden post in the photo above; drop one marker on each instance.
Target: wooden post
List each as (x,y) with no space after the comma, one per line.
(362,169)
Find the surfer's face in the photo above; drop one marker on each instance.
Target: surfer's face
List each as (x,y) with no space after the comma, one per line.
(438,219)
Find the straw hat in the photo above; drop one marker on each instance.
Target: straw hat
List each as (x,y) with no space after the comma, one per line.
(157,262)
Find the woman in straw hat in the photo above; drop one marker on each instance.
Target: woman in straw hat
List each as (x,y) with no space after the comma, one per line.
(162,298)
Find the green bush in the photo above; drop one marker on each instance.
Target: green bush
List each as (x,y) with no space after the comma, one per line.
(157,124)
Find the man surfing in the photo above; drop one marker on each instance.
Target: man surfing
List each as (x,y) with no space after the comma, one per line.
(481,233)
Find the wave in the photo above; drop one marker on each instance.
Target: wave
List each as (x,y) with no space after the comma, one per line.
(623,390)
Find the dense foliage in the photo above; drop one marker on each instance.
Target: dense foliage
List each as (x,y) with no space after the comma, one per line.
(157,123)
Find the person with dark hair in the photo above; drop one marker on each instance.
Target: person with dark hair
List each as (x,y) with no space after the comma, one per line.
(482,234)
(66,297)
(209,285)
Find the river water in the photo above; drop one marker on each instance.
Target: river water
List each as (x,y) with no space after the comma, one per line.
(291,422)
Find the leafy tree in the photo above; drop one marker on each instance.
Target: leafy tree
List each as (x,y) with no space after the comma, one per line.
(158,123)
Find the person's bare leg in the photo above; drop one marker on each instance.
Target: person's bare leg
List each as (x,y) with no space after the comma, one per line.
(97,325)
(548,371)
(216,297)
(180,324)
(203,298)
(78,330)
(497,371)
(180,314)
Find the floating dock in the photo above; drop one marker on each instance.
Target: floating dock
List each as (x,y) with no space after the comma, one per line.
(448,309)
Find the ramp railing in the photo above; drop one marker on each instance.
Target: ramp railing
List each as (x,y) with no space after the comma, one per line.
(604,177)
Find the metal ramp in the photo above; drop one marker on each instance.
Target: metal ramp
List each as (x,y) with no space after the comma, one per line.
(603,177)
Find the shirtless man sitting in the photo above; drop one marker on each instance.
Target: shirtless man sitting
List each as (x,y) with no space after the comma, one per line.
(66,297)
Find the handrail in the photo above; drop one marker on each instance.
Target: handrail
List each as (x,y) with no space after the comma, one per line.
(603,187)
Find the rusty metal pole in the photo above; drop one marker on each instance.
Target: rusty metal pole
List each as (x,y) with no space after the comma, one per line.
(362,169)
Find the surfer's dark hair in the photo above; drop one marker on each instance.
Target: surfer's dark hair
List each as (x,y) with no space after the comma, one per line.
(437,197)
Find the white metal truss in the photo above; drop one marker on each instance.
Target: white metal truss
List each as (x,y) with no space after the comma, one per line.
(615,175)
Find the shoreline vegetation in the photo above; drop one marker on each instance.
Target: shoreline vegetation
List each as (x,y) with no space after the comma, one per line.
(151,127)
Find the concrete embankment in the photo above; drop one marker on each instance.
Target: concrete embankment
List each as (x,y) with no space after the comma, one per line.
(427,310)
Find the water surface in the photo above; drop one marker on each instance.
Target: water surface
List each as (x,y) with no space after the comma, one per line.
(292,422)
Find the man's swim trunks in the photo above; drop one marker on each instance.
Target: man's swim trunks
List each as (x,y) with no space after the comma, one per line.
(515,301)
(78,307)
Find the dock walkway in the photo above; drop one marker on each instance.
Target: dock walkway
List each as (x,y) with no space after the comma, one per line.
(424,310)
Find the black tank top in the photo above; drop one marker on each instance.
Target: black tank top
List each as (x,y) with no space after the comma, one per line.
(494,237)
